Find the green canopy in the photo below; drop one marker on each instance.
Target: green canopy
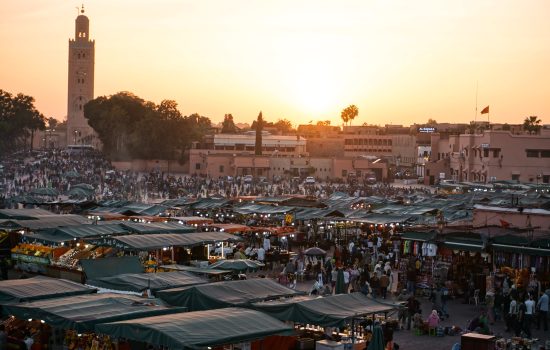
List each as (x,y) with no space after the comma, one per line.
(236,264)
(83,312)
(45,191)
(39,287)
(138,282)
(225,294)
(330,311)
(107,267)
(159,241)
(198,330)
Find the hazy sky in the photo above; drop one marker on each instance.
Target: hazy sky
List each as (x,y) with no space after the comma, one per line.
(400,62)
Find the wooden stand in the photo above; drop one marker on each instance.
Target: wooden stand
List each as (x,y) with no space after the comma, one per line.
(475,341)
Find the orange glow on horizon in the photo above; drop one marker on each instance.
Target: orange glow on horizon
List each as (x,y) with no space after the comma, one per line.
(398,62)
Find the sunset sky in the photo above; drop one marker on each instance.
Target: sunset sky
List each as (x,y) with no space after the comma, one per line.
(400,62)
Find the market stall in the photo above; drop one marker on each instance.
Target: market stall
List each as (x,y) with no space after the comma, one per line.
(39,287)
(141,282)
(82,312)
(225,294)
(317,318)
(198,330)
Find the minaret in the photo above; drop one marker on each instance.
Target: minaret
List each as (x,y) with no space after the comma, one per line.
(81,82)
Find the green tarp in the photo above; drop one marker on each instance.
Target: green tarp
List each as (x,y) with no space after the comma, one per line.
(138,282)
(418,236)
(39,287)
(198,330)
(106,267)
(83,312)
(159,241)
(331,311)
(225,294)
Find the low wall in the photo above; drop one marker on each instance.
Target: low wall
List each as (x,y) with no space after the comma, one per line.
(148,165)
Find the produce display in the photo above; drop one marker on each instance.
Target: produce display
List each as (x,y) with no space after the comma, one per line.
(31,257)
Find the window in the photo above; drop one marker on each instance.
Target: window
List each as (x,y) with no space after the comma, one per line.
(545,153)
(197,166)
(486,152)
(78,56)
(496,152)
(344,173)
(515,177)
(221,168)
(532,153)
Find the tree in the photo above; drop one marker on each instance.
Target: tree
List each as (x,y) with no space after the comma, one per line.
(228,125)
(283,125)
(431,121)
(323,123)
(349,113)
(19,119)
(259,128)
(52,123)
(532,124)
(130,127)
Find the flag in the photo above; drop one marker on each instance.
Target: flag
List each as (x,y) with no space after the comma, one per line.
(485,110)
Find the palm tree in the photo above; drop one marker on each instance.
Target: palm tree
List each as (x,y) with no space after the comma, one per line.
(349,113)
(532,124)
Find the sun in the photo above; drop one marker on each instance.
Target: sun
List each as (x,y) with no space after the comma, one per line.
(314,89)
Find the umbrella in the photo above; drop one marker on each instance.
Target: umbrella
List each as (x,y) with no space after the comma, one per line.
(79,193)
(236,264)
(45,191)
(377,340)
(315,251)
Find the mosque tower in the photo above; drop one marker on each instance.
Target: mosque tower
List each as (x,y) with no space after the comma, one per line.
(81,83)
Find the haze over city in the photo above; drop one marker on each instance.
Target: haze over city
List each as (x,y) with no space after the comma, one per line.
(400,62)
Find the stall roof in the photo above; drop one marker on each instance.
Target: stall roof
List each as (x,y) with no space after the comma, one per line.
(419,236)
(138,282)
(39,287)
(51,221)
(330,311)
(83,312)
(382,219)
(262,209)
(107,267)
(158,241)
(198,330)
(225,294)
(157,227)
(197,270)
(24,214)
(464,241)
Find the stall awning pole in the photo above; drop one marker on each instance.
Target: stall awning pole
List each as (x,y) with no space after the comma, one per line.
(208,252)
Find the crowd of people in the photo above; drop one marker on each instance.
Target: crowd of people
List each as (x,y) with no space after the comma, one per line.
(23,172)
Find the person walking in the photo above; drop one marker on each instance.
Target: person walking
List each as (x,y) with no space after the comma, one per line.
(542,307)
(384,283)
(529,313)
(512,317)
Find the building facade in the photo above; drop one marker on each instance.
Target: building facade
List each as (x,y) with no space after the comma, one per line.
(80,83)
(491,156)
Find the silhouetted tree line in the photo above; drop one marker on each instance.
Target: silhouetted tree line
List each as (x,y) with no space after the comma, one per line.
(19,119)
(130,127)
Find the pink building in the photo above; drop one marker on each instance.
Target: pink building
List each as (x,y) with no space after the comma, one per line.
(490,156)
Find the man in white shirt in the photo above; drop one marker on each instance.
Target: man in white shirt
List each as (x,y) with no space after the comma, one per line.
(261,254)
(529,312)
(542,306)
